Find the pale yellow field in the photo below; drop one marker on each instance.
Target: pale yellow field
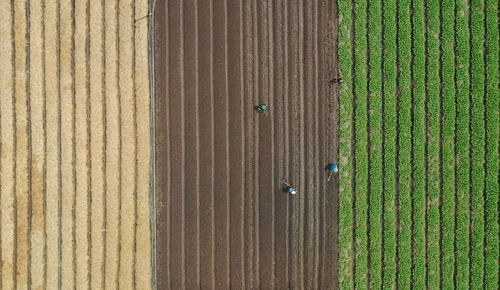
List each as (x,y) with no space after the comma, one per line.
(75,145)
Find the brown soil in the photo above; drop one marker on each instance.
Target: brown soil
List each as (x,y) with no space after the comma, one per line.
(223,220)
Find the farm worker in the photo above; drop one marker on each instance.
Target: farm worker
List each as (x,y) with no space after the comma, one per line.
(262,108)
(337,81)
(288,188)
(333,167)
(291,190)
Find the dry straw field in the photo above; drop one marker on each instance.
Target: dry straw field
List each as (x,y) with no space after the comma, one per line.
(75,149)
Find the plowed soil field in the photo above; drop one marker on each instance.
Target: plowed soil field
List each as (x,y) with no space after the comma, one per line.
(223,220)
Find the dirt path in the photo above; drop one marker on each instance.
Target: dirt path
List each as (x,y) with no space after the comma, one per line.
(223,220)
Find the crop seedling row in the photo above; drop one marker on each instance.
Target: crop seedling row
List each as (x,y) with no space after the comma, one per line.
(448,141)
(346,254)
(463,139)
(492,140)
(419,186)
(477,142)
(375,125)
(433,131)
(390,122)
(361,151)
(404,143)
(419,138)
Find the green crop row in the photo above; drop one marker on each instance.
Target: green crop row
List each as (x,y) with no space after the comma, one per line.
(477,142)
(418,141)
(390,122)
(433,156)
(375,123)
(346,254)
(433,74)
(463,139)
(361,152)
(448,139)
(492,140)
(404,144)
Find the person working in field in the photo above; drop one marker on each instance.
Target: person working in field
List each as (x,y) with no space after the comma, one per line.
(332,167)
(262,108)
(291,190)
(336,81)
(288,188)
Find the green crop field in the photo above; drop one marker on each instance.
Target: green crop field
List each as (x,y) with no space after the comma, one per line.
(419,130)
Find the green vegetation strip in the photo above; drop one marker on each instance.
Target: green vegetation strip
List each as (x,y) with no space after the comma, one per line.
(463,139)
(478,143)
(404,143)
(448,140)
(390,121)
(433,117)
(418,145)
(445,113)
(346,255)
(492,140)
(375,97)
(361,152)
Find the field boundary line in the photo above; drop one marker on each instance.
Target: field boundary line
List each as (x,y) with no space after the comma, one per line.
(197,112)
(59,146)
(88,145)
(369,146)
(182,141)
(299,164)
(412,128)
(136,154)
(397,162)
(120,142)
(441,149)
(14,140)
(44,66)
(30,137)
(318,186)
(243,144)
(455,79)
(470,142)
(228,158)
(286,132)
(271,91)
(104,138)
(256,95)
(73,141)
(336,144)
(212,127)
(382,96)
(226,129)
(426,105)
(353,141)
(485,145)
